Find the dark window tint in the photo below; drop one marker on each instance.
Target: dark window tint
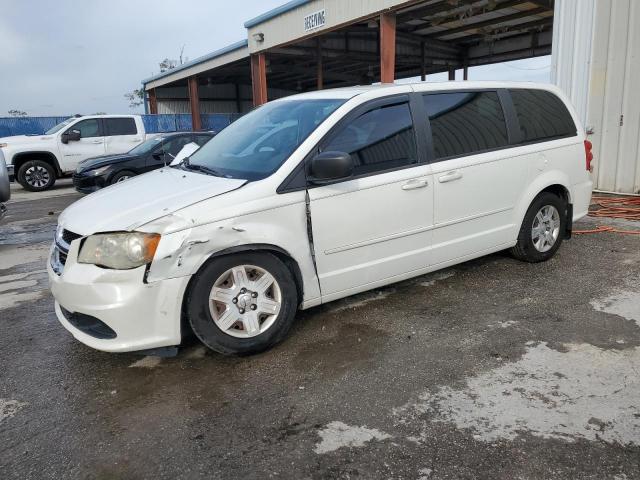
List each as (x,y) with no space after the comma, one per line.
(202,139)
(380,139)
(120,126)
(464,123)
(88,128)
(542,115)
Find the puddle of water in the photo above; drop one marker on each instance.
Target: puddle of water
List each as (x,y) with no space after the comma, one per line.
(11,299)
(337,435)
(625,303)
(12,256)
(6,286)
(585,392)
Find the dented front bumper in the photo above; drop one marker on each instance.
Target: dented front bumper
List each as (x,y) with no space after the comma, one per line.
(142,315)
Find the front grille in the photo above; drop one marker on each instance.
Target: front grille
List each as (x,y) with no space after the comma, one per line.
(89,325)
(69,237)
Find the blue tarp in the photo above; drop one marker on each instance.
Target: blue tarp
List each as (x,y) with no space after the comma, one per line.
(152,123)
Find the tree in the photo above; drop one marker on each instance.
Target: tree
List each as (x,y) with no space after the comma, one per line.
(136,97)
(167,64)
(17,113)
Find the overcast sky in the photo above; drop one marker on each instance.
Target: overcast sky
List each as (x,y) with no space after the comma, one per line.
(68,57)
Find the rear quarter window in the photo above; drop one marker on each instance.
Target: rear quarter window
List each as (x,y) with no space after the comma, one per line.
(120,126)
(542,115)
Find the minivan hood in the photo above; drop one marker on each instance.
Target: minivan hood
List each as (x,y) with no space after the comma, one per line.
(128,205)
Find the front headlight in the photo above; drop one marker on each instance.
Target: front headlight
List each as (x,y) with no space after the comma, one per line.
(2,145)
(96,171)
(120,251)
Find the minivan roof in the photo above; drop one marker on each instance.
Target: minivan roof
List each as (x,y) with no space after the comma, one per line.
(350,92)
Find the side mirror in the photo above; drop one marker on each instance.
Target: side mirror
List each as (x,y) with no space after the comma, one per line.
(329,166)
(158,155)
(70,136)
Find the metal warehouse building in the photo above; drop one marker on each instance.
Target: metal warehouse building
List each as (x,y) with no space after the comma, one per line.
(313,44)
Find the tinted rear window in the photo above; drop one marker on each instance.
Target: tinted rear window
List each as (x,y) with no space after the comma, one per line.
(120,126)
(463,123)
(542,115)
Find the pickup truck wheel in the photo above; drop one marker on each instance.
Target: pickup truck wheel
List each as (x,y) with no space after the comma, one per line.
(36,176)
(242,303)
(542,228)
(121,177)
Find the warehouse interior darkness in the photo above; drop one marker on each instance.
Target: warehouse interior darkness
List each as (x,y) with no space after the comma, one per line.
(409,41)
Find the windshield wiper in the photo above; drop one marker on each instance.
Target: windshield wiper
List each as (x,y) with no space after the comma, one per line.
(200,168)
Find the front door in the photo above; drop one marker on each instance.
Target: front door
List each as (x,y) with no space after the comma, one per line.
(375,227)
(91,144)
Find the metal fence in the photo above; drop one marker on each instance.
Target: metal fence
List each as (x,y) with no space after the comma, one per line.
(152,123)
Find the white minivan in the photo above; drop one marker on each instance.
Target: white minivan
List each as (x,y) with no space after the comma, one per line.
(315,197)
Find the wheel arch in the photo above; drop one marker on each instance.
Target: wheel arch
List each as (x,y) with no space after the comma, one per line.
(21,158)
(279,252)
(555,182)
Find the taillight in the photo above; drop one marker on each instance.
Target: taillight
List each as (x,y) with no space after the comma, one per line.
(588,146)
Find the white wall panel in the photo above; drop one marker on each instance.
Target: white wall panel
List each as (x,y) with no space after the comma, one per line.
(596,61)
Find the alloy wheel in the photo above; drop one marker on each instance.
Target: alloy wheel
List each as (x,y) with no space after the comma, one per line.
(37,176)
(546,228)
(245,301)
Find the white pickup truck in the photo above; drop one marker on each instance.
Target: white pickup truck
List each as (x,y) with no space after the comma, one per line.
(36,161)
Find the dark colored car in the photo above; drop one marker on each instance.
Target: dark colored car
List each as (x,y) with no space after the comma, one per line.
(98,172)
(5,192)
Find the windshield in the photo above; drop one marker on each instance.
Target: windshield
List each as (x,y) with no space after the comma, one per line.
(146,146)
(254,146)
(59,126)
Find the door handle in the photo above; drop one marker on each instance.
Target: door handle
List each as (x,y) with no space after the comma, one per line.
(97,141)
(135,140)
(413,184)
(450,176)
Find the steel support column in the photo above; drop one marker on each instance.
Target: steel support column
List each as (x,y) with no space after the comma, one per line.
(153,101)
(320,76)
(259,78)
(387,47)
(194,103)
(452,73)
(423,63)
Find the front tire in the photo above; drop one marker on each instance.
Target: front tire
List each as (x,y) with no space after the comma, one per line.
(36,176)
(121,177)
(542,229)
(242,303)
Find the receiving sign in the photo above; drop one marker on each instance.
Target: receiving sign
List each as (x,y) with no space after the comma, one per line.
(314,20)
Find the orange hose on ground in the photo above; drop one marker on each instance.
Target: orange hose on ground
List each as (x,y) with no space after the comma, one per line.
(626,208)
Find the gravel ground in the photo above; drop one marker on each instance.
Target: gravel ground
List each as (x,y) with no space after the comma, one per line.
(491,369)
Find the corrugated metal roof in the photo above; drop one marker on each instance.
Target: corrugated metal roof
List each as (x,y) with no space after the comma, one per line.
(197,61)
(275,12)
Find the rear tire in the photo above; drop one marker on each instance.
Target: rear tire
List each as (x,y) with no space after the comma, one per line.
(542,229)
(121,176)
(242,303)
(36,176)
